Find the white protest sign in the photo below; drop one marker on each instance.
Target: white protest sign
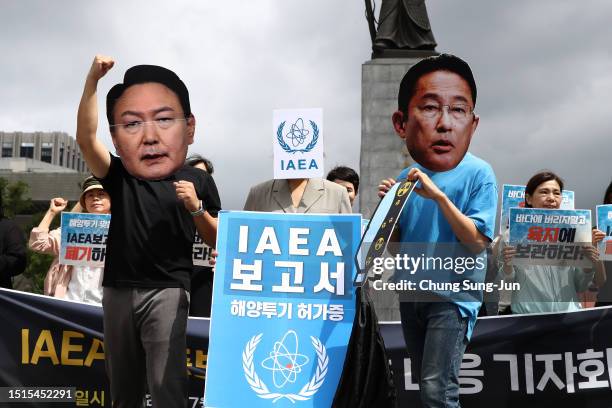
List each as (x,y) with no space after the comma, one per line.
(298,143)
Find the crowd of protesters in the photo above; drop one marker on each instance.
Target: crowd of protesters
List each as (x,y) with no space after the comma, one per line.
(157,192)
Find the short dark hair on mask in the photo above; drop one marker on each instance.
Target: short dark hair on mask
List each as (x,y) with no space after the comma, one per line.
(345,174)
(195,159)
(142,74)
(442,62)
(537,179)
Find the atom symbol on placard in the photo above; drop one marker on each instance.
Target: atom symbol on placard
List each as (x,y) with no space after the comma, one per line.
(297,134)
(284,361)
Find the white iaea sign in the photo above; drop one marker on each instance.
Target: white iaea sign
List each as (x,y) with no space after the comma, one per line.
(298,143)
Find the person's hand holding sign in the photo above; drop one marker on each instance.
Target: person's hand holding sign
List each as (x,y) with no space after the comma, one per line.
(597,236)
(508,253)
(428,188)
(592,253)
(384,186)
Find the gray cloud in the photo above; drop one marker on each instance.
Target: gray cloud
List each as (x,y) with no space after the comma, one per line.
(542,70)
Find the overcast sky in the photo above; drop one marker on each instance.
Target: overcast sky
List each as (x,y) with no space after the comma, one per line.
(543,68)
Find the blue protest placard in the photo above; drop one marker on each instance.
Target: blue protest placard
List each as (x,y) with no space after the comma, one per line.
(604,223)
(550,237)
(283,309)
(84,238)
(513,196)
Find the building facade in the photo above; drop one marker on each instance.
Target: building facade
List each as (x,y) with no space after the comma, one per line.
(56,148)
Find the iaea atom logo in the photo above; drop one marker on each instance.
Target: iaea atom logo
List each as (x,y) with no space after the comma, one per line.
(297,135)
(286,364)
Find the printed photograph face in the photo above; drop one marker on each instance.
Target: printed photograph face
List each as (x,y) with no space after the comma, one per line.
(440,125)
(151,133)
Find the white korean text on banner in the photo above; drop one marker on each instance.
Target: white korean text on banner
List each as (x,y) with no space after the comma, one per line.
(84,238)
(513,196)
(298,143)
(283,308)
(202,253)
(550,237)
(604,223)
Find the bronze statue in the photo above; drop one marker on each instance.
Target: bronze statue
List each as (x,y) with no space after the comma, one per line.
(402,25)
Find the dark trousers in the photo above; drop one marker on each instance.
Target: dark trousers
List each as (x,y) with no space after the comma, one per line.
(201,291)
(145,343)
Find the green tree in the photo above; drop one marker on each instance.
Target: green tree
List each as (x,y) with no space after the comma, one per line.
(15,201)
(14,197)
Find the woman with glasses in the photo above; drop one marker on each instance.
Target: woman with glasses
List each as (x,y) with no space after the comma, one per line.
(548,288)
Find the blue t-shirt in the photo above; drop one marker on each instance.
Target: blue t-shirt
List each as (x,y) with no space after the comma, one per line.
(472,188)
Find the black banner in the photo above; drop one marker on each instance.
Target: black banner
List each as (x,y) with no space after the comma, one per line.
(544,360)
(49,342)
(549,360)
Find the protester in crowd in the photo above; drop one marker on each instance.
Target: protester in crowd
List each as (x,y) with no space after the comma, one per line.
(202,277)
(12,249)
(347,178)
(200,162)
(549,288)
(313,195)
(158,203)
(604,296)
(81,283)
(455,202)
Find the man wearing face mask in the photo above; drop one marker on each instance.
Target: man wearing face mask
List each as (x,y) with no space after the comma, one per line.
(158,203)
(455,203)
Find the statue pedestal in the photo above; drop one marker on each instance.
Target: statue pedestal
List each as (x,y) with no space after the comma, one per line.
(383,153)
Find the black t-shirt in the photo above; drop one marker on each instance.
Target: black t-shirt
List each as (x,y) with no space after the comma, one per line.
(150,238)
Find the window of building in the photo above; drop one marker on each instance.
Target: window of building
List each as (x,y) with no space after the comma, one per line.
(61,155)
(7,149)
(27,150)
(46,152)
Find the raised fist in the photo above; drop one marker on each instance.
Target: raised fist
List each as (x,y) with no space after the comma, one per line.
(57,205)
(100,66)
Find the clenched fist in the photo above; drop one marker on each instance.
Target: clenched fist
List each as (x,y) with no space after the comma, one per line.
(185,191)
(57,205)
(100,66)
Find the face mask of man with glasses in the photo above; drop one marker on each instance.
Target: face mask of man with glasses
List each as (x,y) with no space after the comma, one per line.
(438,121)
(150,127)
